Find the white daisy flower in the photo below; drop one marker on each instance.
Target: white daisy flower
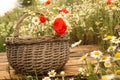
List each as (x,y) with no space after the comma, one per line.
(109,37)
(46,78)
(115,40)
(96,54)
(117,56)
(84,57)
(111,48)
(105,58)
(31,13)
(27,11)
(76,43)
(108,77)
(35,20)
(81,70)
(107,64)
(62,15)
(52,73)
(44,28)
(117,72)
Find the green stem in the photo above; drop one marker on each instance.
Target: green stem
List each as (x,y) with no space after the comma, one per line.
(63,78)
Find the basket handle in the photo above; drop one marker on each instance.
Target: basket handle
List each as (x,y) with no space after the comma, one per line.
(17,25)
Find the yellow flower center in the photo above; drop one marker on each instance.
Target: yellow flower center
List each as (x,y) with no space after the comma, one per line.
(96,53)
(63,14)
(74,13)
(103,57)
(115,40)
(31,12)
(110,47)
(47,78)
(117,55)
(117,72)
(56,7)
(36,20)
(105,78)
(107,64)
(51,73)
(109,37)
(83,57)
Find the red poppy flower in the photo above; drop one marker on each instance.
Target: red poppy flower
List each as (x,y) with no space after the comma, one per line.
(64,10)
(60,26)
(48,2)
(108,2)
(42,19)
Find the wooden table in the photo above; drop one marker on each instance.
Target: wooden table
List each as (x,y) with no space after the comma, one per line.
(71,67)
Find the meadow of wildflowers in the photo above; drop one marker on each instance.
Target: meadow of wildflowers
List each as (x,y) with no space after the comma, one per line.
(94,19)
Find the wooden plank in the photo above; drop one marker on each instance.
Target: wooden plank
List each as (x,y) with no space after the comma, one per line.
(84,48)
(71,67)
(5,75)
(3,66)
(72,61)
(69,71)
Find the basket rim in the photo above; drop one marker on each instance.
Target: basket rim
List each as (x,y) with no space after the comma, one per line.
(31,40)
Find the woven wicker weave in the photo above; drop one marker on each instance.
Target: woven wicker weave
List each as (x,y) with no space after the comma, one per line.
(43,54)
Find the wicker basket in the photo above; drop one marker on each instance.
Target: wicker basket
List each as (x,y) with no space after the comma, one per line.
(27,55)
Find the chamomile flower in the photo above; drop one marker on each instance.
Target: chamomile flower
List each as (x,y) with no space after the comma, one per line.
(96,54)
(81,70)
(109,37)
(111,48)
(116,56)
(108,77)
(35,20)
(63,15)
(84,57)
(115,40)
(117,72)
(46,78)
(31,13)
(107,64)
(104,58)
(27,10)
(52,73)
(44,28)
